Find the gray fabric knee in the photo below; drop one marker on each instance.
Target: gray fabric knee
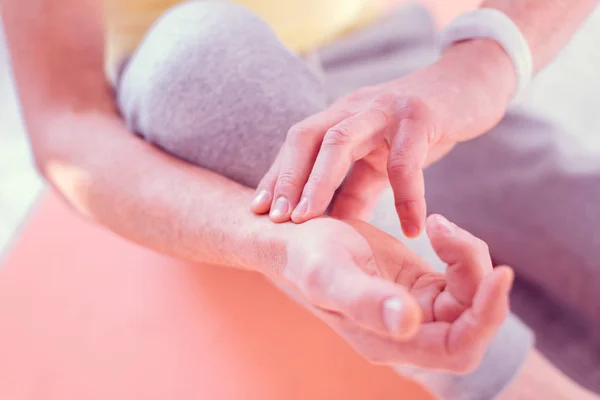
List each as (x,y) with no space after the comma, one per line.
(212,85)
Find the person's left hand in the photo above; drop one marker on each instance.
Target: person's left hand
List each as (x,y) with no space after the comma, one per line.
(386,134)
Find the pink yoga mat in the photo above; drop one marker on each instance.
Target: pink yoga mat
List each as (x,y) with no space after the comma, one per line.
(85,315)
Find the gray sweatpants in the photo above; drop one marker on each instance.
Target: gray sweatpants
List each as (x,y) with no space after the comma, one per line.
(211,85)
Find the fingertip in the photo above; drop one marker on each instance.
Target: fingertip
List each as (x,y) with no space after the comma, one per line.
(410,229)
(300,213)
(412,218)
(402,316)
(261,203)
(444,236)
(300,219)
(309,207)
(438,224)
(505,277)
(412,321)
(280,210)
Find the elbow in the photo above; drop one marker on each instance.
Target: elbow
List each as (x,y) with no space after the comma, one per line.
(43,150)
(55,164)
(40,160)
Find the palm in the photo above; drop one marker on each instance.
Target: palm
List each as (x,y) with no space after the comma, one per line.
(397,262)
(461,311)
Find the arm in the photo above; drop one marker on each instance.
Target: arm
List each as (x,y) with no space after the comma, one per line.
(539,379)
(107,174)
(547,26)
(104,172)
(83,148)
(391,132)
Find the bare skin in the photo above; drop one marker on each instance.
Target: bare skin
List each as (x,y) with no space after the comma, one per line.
(106,174)
(390,132)
(109,175)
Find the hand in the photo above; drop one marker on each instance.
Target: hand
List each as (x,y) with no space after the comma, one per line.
(385,134)
(335,269)
(389,304)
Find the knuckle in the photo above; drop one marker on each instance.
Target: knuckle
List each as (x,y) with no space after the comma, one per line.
(415,109)
(286,182)
(412,107)
(315,180)
(386,101)
(299,133)
(339,135)
(405,205)
(402,168)
(320,180)
(379,113)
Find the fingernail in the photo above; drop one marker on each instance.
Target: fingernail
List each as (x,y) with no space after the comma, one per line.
(444,226)
(301,208)
(410,229)
(261,198)
(280,208)
(392,315)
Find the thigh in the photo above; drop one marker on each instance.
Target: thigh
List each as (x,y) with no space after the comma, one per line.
(211,84)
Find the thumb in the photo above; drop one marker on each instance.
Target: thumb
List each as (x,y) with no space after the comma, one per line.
(371,302)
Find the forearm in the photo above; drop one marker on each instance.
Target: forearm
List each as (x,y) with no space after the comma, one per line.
(147,196)
(539,379)
(546,24)
(481,78)
(83,148)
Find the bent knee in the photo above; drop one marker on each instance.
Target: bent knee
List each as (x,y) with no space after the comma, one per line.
(211,84)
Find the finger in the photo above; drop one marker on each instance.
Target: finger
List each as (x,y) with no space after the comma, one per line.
(350,140)
(394,260)
(298,156)
(408,154)
(474,330)
(468,258)
(263,195)
(459,347)
(360,194)
(371,302)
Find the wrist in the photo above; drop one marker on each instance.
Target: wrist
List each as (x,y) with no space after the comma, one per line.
(481,84)
(486,62)
(267,246)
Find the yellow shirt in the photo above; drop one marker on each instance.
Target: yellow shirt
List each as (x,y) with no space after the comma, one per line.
(302,25)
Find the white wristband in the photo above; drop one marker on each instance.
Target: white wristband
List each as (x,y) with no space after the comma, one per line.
(489,23)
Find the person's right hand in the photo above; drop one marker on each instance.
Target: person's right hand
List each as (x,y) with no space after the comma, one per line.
(390,305)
